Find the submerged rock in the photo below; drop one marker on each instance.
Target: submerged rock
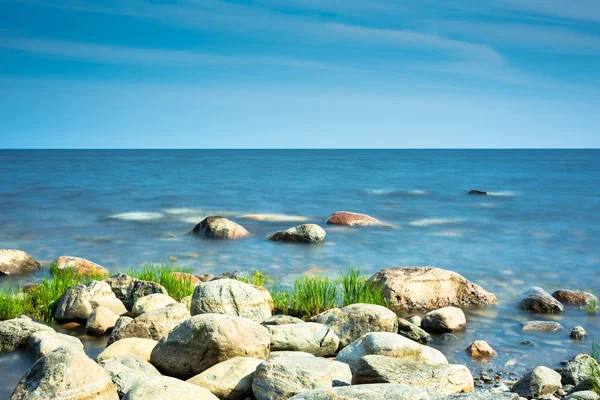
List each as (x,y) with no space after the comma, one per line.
(578,333)
(219,228)
(126,370)
(574,297)
(17,262)
(229,380)
(426,288)
(445,320)
(413,332)
(163,387)
(351,219)
(480,349)
(80,266)
(310,337)
(537,299)
(541,327)
(305,233)
(477,192)
(537,383)
(376,391)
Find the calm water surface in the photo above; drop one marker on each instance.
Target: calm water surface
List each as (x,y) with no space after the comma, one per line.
(122,209)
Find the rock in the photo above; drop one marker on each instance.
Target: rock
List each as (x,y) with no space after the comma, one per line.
(578,333)
(15,332)
(415,320)
(68,374)
(583,395)
(125,371)
(185,277)
(537,383)
(477,192)
(378,391)
(151,325)
(413,332)
(77,302)
(438,380)
(101,294)
(351,219)
(537,299)
(541,327)
(229,380)
(281,320)
(230,297)
(100,321)
(205,340)
(42,343)
(205,277)
(351,322)
(69,326)
(150,303)
(391,345)
(80,267)
(284,377)
(588,384)
(426,288)
(17,262)
(480,349)
(130,346)
(163,387)
(574,297)
(446,337)
(310,337)
(305,233)
(578,369)
(483,396)
(274,354)
(129,289)
(219,228)
(445,320)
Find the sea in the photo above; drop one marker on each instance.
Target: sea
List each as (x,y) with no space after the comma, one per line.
(538,226)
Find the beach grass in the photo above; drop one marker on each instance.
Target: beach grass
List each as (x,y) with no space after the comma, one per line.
(359,289)
(256,278)
(177,287)
(592,306)
(12,303)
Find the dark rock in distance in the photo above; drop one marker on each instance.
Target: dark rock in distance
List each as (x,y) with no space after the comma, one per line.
(477,192)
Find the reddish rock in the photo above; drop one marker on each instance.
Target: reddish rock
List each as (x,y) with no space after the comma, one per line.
(69,326)
(205,277)
(573,297)
(480,349)
(80,266)
(185,277)
(351,219)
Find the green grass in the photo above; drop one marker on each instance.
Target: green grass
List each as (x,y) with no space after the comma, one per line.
(592,306)
(163,275)
(358,289)
(256,278)
(12,303)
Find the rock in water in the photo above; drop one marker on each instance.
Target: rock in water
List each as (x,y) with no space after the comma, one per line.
(125,371)
(351,322)
(537,383)
(229,380)
(351,219)
(15,332)
(80,266)
(480,349)
(578,333)
(163,387)
(219,228)
(309,337)
(376,391)
(65,374)
(305,233)
(151,302)
(477,192)
(541,327)
(230,297)
(413,332)
(283,377)
(537,299)
(17,262)
(573,297)
(205,340)
(426,288)
(445,320)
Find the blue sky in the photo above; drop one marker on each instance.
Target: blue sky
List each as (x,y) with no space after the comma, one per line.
(300,74)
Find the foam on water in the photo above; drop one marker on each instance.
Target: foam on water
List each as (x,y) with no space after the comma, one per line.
(180,211)
(418,192)
(136,216)
(435,221)
(275,217)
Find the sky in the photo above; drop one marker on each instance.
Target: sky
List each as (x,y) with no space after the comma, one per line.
(299,74)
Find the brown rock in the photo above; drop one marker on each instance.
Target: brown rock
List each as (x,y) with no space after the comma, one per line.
(185,277)
(80,266)
(573,297)
(481,349)
(16,262)
(205,277)
(351,219)
(219,228)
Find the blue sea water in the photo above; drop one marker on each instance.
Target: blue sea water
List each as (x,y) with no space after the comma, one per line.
(123,208)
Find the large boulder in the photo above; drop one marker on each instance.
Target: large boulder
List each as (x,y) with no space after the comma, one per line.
(537,299)
(445,320)
(230,297)
(141,348)
(15,332)
(17,262)
(150,303)
(80,266)
(163,387)
(66,374)
(125,371)
(538,382)
(413,332)
(229,380)
(205,340)
(129,289)
(574,297)
(42,343)
(541,327)
(426,288)
(438,380)
(284,377)
(391,345)
(378,391)
(305,233)
(100,321)
(578,369)
(351,322)
(351,219)
(310,337)
(219,228)
(77,302)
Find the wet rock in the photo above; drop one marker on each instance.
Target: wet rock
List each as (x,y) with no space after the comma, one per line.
(426,288)
(578,369)
(537,299)
(230,297)
(185,277)
(574,297)
(163,387)
(391,345)
(281,320)
(310,337)
(351,322)
(480,349)
(578,333)
(229,380)
(101,321)
(139,347)
(284,377)
(477,192)
(537,383)
(447,319)
(150,303)
(446,337)
(80,267)
(583,395)
(378,391)
(17,262)
(541,327)
(305,233)
(65,373)
(42,343)
(351,219)
(125,371)
(413,332)
(205,340)
(219,228)
(129,289)
(437,379)
(151,325)
(15,332)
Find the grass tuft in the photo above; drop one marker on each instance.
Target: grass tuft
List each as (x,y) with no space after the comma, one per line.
(358,289)
(592,306)
(595,370)
(256,278)
(177,287)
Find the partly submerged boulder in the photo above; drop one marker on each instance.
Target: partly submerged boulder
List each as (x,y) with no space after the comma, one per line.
(574,297)
(305,233)
(219,228)
(80,266)
(480,349)
(537,299)
(541,327)
(445,320)
(351,219)
(17,262)
(15,332)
